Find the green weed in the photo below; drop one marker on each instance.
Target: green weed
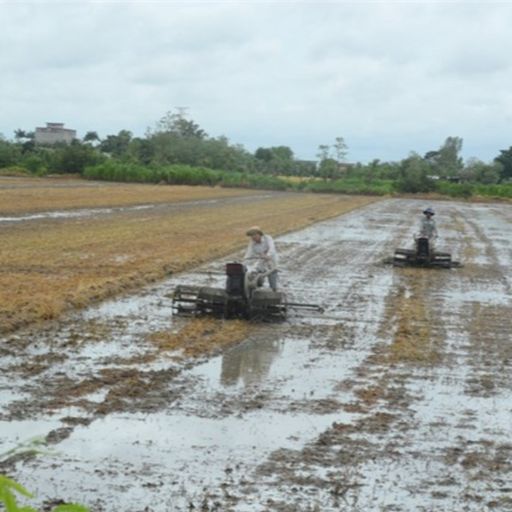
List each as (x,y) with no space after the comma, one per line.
(9,488)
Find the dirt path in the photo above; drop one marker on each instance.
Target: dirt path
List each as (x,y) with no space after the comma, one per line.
(396,398)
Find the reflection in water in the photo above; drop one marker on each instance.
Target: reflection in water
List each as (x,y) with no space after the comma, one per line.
(249,362)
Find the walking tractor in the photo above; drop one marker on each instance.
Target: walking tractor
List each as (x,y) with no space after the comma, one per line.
(242,297)
(423,255)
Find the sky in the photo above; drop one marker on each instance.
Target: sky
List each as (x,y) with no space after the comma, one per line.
(388,76)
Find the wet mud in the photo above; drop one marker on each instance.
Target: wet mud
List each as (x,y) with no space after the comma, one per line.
(397,397)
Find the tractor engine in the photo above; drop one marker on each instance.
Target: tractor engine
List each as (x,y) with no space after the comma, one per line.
(244,296)
(423,255)
(235,279)
(422,249)
(236,300)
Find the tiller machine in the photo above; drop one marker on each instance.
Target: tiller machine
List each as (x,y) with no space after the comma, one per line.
(423,255)
(242,297)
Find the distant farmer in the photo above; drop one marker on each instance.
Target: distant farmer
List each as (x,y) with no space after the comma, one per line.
(428,227)
(261,252)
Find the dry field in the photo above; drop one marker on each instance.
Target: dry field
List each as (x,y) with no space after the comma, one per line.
(26,195)
(51,262)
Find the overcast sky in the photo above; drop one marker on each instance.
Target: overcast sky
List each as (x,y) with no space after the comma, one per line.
(390,77)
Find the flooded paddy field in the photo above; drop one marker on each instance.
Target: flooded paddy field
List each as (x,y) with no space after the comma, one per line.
(396,398)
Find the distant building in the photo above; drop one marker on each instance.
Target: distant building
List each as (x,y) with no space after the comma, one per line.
(53,133)
(344,167)
(451,179)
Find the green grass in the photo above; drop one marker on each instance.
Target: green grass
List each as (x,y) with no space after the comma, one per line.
(14,171)
(178,174)
(501,191)
(187,175)
(9,489)
(350,186)
(181,175)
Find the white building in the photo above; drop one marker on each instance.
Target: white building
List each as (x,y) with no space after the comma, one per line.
(54,132)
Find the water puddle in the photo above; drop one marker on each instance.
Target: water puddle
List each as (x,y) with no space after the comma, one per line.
(93,212)
(20,435)
(245,365)
(276,391)
(72,214)
(495,295)
(168,453)
(8,396)
(285,366)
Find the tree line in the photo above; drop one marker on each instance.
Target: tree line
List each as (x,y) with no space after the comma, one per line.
(176,140)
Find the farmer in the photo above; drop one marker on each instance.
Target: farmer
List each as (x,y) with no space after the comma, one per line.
(428,227)
(261,248)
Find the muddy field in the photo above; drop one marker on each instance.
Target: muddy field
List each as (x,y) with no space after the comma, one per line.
(120,237)
(396,398)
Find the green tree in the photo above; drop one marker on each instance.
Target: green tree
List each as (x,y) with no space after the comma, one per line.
(341,149)
(74,157)
(91,137)
(34,163)
(116,145)
(283,153)
(446,160)
(141,150)
(328,168)
(414,178)
(505,159)
(481,172)
(276,159)
(323,152)
(264,154)
(305,168)
(23,136)
(177,124)
(9,153)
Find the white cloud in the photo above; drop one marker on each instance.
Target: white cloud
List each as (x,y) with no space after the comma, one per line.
(388,76)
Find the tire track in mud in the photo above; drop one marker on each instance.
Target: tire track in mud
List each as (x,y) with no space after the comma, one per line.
(472,387)
(342,409)
(333,468)
(392,456)
(488,324)
(345,295)
(79,342)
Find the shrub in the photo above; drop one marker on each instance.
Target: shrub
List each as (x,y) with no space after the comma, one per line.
(35,164)
(9,153)
(14,170)
(414,176)
(349,186)
(112,170)
(503,190)
(73,158)
(455,189)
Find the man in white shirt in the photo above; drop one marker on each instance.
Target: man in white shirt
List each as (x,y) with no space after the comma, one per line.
(262,251)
